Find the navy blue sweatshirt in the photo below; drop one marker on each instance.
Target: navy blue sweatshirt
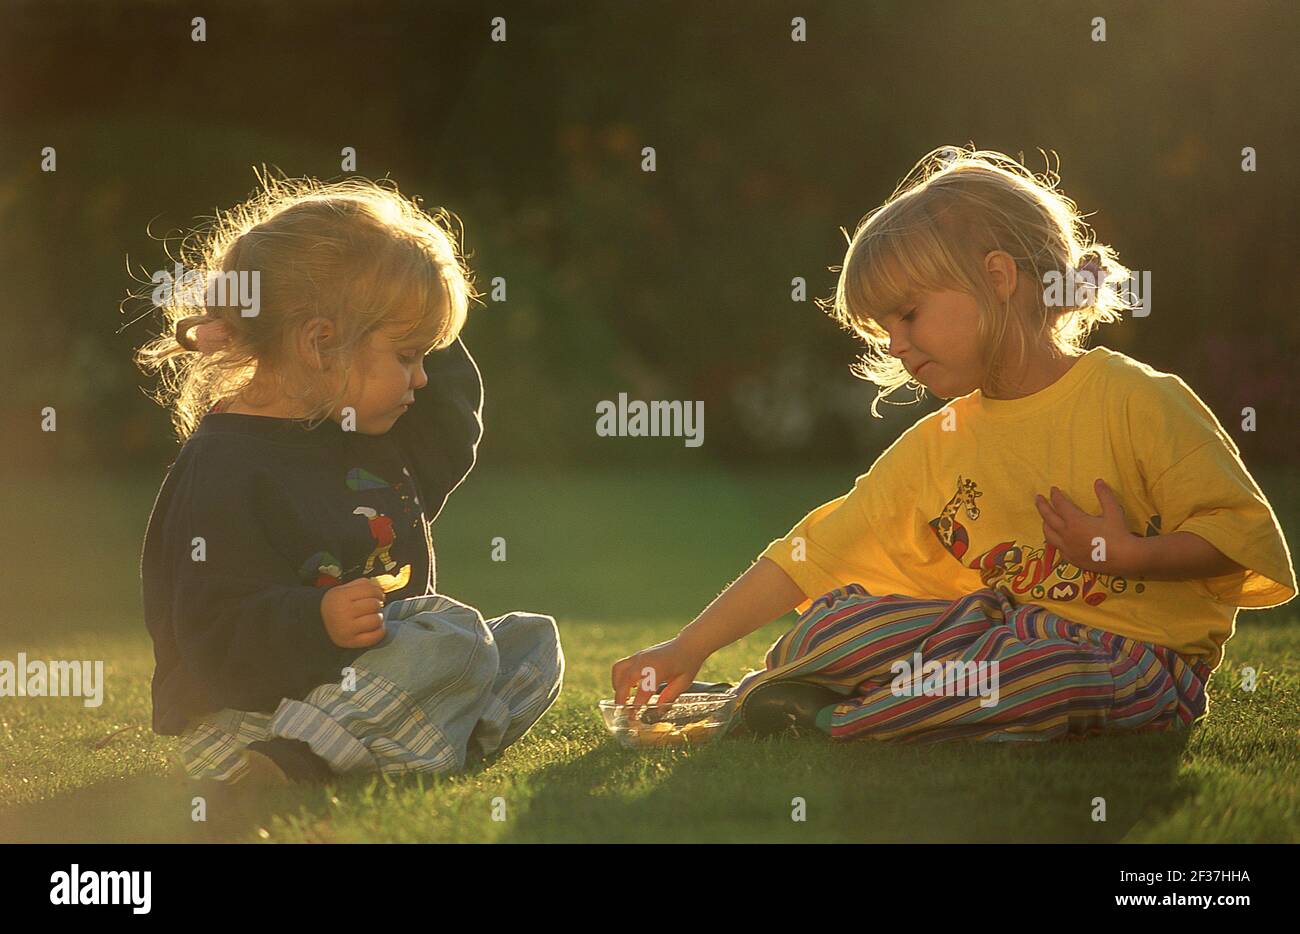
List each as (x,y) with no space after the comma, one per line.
(283,513)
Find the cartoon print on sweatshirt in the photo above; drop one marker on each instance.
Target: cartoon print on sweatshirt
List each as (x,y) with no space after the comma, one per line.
(323,569)
(1025,569)
(359,479)
(381,530)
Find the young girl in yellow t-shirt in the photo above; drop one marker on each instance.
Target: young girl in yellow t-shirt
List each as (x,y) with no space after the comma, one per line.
(968,587)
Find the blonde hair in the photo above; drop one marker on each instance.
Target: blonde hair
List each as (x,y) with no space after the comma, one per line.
(954,207)
(355,252)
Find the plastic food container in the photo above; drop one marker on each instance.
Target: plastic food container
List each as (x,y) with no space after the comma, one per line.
(691,719)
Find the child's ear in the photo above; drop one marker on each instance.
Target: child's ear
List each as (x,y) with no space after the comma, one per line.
(314,335)
(1003,273)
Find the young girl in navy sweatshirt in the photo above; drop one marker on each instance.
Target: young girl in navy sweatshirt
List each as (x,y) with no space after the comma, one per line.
(328,408)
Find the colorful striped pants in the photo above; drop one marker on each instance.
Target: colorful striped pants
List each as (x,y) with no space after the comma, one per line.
(979,668)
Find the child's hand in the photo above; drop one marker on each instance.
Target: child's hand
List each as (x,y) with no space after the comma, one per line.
(1079,536)
(353,613)
(668,661)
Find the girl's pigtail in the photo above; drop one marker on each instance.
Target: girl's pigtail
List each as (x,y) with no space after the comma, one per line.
(1090,276)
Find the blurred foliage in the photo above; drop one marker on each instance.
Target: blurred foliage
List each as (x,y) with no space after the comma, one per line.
(667,285)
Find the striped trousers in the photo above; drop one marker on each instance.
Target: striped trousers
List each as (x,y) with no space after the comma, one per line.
(979,668)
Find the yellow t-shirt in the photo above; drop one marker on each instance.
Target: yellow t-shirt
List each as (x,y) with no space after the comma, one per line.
(949,507)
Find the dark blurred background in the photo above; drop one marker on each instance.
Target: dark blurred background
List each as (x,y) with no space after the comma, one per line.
(670,285)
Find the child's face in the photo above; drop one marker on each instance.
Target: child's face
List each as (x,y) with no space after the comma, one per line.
(935,334)
(386,373)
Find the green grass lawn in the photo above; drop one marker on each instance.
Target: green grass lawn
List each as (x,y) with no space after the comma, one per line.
(621,559)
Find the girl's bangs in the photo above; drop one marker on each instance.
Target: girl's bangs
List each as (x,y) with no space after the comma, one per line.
(888,270)
(417,295)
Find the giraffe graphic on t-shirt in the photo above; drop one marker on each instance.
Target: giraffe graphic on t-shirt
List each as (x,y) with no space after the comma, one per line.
(951,533)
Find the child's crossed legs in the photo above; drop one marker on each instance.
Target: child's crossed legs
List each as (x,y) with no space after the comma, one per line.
(445,688)
(1054,678)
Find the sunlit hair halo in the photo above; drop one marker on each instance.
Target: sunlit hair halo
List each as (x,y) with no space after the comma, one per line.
(951,210)
(356,253)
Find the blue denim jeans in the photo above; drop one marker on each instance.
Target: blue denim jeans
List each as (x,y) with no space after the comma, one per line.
(444,689)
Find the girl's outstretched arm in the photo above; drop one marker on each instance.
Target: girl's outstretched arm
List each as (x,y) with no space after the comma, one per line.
(760,595)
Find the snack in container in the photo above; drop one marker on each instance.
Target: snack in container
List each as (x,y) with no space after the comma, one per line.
(691,719)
